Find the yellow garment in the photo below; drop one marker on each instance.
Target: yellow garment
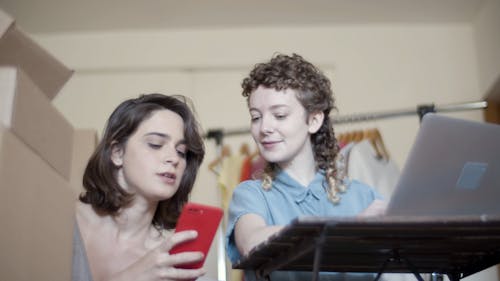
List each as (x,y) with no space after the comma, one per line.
(228,179)
(229,176)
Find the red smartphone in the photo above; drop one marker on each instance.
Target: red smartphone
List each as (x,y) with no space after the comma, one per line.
(202,218)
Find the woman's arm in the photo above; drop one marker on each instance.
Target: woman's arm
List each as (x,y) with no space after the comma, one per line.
(251,230)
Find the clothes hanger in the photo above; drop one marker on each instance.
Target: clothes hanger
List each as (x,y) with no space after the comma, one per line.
(358,135)
(378,143)
(349,137)
(226,152)
(381,145)
(341,138)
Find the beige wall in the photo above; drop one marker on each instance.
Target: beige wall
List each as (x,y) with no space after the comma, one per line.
(372,67)
(487,37)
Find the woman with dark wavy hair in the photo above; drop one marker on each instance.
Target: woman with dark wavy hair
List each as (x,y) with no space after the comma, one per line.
(289,101)
(136,183)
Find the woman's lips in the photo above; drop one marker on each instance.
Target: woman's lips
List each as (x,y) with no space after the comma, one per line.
(168,178)
(269,144)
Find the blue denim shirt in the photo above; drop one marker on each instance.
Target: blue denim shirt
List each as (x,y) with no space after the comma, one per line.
(286,200)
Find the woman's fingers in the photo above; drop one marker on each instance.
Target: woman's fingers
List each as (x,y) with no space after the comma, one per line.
(178,238)
(159,264)
(178,258)
(184,258)
(376,208)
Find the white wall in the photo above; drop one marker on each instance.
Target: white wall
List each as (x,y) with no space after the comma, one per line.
(487,30)
(372,67)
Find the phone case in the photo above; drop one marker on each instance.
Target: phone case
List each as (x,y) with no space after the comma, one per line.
(202,218)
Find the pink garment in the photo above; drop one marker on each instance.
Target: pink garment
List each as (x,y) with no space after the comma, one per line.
(258,165)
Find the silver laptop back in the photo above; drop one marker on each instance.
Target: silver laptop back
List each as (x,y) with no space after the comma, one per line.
(453,168)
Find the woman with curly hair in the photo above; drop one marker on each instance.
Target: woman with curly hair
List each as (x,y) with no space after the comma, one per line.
(289,101)
(136,183)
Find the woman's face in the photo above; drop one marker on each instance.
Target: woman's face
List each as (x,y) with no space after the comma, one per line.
(279,125)
(153,159)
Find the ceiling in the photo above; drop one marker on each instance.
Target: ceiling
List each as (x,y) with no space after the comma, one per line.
(48,16)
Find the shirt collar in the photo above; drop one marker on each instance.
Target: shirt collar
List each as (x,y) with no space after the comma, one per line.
(297,190)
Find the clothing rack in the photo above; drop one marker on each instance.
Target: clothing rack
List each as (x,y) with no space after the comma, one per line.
(421,110)
(219,134)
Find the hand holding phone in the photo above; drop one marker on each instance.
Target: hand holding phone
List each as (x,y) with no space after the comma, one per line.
(205,220)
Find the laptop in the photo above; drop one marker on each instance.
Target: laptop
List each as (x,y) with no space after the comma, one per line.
(452,169)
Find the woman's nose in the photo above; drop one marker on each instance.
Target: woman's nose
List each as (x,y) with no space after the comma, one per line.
(266,126)
(171,157)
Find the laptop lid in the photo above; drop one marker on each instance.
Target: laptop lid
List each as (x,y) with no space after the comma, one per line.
(453,168)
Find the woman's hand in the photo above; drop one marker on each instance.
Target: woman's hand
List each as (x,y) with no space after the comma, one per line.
(376,208)
(158,264)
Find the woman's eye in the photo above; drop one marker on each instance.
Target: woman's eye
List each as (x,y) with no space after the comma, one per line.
(280,116)
(154,146)
(255,118)
(181,153)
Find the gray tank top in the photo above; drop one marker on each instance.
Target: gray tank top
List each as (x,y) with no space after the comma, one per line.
(80,270)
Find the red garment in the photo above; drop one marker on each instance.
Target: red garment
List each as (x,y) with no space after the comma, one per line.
(246,169)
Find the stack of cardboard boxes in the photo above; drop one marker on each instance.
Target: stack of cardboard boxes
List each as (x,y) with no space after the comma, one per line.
(42,158)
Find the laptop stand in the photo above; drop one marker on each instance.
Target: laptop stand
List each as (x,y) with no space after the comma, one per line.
(457,246)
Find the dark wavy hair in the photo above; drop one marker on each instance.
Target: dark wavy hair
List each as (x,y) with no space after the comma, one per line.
(102,189)
(314,92)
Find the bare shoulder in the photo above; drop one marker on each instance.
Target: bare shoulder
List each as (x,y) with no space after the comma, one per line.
(86,217)
(83,211)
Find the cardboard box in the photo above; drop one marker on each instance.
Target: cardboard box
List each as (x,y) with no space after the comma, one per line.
(85,142)
(29,114)
(2,132)
(37,215)
(19,50)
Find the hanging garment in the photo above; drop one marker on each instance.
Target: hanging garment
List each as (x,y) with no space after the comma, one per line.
(252,167)
(228,169)
(229,176)
(364,164)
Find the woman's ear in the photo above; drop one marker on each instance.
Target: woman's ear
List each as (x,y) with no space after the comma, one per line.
(117,154)
(315,121)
